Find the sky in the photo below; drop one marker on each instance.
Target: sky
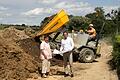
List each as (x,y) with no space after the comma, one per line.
(32,12)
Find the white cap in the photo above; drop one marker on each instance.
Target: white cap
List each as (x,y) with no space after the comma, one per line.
(90,24)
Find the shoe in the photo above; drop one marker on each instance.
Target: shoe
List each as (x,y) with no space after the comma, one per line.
(71,75)
(44,76)
(65,75)
(49,74)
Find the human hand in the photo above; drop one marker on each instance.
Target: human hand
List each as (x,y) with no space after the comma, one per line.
(45,56)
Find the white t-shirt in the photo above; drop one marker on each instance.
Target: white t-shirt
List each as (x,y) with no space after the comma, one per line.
(67,45)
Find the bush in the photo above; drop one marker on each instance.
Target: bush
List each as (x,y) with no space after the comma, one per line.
(115,62)
(2,27)
(116,50)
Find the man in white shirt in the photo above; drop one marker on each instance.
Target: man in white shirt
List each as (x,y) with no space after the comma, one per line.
(67,46)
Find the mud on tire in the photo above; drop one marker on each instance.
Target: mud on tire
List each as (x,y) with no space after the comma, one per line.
(86,55)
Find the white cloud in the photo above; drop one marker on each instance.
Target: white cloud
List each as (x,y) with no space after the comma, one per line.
(81,8)
(4,15)
(109,8)
(8,14)
(37,11)
(64,5)
(80,11)
(1,19)
(68,5)
(3,8)
(47,1)
(84,4)
(76,8)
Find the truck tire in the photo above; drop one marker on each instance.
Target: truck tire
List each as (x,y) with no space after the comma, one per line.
(87,55)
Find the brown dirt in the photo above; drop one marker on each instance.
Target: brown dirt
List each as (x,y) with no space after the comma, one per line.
(15,63)
(19,56)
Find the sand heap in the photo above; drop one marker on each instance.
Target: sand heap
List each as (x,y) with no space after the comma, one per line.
(29,31)
(14,34)
(15,63)
(19,55)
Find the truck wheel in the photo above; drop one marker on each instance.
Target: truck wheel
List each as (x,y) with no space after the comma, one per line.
(86,55)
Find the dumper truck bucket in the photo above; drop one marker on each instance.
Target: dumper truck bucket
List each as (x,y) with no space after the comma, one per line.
(57,22)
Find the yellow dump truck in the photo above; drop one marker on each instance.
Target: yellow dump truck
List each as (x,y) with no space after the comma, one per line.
(84,52)
(56,23)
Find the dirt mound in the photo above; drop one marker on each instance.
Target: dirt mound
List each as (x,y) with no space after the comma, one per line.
(15,63)
(19,55)
(31,47)
(14,34)
(29,31)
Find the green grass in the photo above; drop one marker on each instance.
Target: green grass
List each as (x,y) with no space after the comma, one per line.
(116,52)
(2,27)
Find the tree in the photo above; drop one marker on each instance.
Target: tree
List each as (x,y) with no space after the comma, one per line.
(77,22)
(23,25)
(114,17)
(97,18)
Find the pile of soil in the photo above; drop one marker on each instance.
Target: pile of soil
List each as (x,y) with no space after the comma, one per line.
(14,34)
(19,55)
(29,31)
(31,47)
(15,63)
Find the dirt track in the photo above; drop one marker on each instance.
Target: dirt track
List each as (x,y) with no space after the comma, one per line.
(98,70)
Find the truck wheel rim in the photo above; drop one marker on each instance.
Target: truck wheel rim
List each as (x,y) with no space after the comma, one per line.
(88,56)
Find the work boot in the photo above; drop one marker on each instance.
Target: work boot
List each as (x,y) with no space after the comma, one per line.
(44,76)
(49,74)
(66,75)
(71,75)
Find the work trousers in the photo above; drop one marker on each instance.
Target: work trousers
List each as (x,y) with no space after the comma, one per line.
(68,62)
(45,66)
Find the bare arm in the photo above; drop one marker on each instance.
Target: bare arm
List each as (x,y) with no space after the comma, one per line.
(90,31)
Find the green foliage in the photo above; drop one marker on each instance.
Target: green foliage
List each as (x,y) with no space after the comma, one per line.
(77,22)
(116,52)
(97,18)
(117,39)
(114,16)
(3,27)
(111,20)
